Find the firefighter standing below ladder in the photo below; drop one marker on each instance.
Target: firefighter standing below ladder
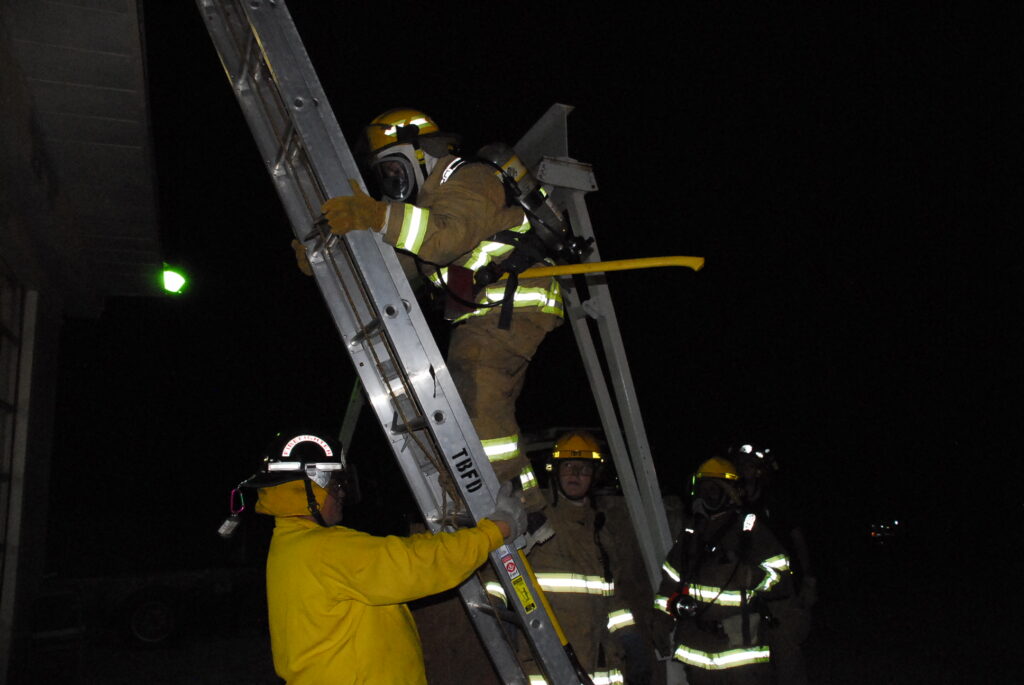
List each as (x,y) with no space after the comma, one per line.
(576,567)
(454,217)
(723,565)
(335,596)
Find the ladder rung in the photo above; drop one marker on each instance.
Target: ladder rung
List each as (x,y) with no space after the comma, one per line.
(412,421)
(287,149)
(366,331)
(252,56)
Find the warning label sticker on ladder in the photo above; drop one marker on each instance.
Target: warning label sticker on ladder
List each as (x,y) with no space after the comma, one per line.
(518,583)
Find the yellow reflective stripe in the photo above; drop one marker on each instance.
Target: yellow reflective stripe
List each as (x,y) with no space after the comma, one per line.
(528,478)
(610,677)
(617,620)
(501,449)
(484,254)
(439,281)
(661,603)
(575,582)
(773,566)
(716,595)
(486,250)
(670,571)
(494,589)
(716,661)
(547,300)
(414,228)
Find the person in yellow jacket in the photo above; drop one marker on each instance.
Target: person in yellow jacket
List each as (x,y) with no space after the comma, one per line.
(336,597)
(449,217)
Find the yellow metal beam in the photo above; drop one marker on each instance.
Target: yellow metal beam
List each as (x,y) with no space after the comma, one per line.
(695,263)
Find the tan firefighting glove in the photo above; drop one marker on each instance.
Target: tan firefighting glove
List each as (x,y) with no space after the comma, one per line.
(301,259)
(354,212)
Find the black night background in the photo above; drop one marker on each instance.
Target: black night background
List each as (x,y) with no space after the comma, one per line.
(843,172)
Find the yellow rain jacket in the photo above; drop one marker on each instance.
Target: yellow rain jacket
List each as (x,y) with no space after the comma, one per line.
(336,597)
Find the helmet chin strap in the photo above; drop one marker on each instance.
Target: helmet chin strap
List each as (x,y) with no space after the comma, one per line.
(314,508)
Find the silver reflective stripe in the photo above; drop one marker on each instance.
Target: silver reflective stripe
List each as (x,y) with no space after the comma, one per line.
(414,228)
(617,620)
(715,661)
(609,677)
(661,603)
(575,582)
(284,466)
(670,571)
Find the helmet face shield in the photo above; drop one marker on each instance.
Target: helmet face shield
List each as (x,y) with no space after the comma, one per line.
(395,176)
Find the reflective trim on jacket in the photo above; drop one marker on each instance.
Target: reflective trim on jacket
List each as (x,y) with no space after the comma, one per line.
(547,300)
(611,676)
(715,661)
(501,449)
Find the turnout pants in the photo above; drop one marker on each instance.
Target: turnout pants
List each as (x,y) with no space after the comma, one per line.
(488,365)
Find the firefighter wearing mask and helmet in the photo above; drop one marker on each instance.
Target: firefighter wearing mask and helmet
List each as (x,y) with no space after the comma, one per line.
(722,568)
(451,219)
(335,596)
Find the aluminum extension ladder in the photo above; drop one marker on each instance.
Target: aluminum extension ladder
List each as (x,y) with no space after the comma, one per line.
(376,313)
(382,327)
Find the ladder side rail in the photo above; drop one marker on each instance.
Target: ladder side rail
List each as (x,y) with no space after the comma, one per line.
(570,181)
(301,92)
(544,148)
(613,432)
(492,631)
(278,136)
(622,381)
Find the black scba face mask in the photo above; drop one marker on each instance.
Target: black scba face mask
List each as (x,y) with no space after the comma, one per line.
(715,494)
(395,177)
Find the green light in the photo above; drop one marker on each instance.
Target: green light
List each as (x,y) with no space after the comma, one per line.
(174,280)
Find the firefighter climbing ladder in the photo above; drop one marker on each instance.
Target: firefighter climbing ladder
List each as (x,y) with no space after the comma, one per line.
(387,338)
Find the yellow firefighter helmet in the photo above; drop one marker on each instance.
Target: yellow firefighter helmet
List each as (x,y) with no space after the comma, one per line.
(577,445)
(405,146)
(396,125)
(717,467)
